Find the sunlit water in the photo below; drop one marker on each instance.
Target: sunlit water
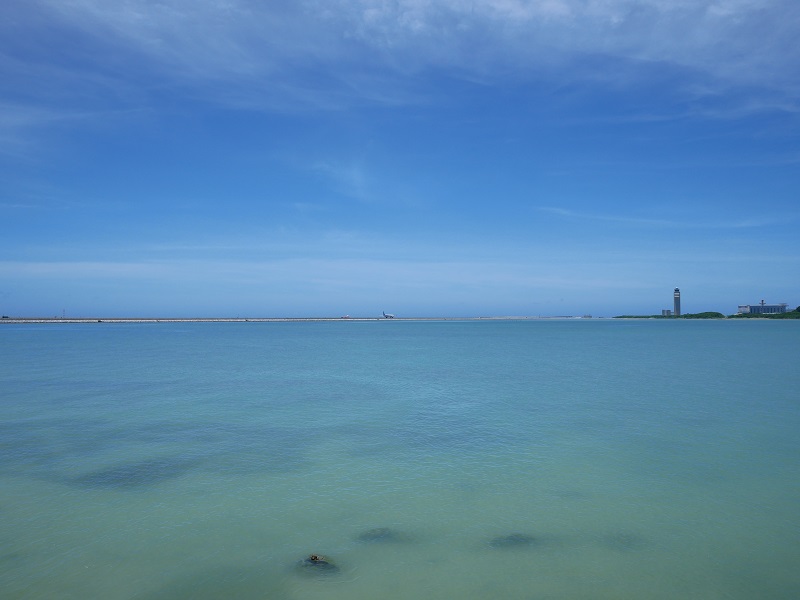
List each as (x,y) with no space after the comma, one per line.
(499,459)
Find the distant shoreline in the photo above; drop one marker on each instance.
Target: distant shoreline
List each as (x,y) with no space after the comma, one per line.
(78,320)
(68,320)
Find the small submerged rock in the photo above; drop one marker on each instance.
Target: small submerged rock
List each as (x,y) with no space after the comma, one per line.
(316,563)
(512,540)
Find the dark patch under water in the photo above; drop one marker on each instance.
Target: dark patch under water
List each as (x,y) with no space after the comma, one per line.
(623,541)
(380,535)
(47,448)
(246,582)
(11,558)
(138,474)
(512,540)
(570,495)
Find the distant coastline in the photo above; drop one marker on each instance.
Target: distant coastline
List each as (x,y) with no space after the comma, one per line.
(791,315)
(788,315)
(67,320)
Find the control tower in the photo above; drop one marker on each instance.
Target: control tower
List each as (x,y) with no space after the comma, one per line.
(676,311)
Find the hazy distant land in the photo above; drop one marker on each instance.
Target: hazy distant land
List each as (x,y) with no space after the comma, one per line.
(265,319)
(793,314)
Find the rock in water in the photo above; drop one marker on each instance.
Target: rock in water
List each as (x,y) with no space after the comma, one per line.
(316,563)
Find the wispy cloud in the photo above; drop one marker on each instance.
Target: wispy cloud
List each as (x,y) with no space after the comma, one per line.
(759,221)
(22,124)
(452,277)
(346,48)
(315,284)
(64,62)
(349,178)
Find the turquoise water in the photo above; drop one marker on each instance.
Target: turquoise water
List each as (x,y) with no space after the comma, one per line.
(506,459)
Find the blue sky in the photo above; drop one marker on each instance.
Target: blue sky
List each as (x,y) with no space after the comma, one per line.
(427,158)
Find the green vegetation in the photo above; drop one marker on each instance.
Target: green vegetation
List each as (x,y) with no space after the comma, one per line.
(702,315)
(792,314)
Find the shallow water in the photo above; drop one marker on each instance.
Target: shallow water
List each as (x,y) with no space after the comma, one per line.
(637,459)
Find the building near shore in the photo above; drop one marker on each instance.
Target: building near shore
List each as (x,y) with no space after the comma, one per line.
(762,309)
(676,309)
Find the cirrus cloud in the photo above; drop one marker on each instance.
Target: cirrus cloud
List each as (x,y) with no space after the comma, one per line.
(356,48)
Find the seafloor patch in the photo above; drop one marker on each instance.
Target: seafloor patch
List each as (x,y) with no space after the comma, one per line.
(215,583)
(138,474)
(622,541)
(381,535)
(512,540)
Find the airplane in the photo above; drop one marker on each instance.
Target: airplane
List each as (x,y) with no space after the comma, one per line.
(385,316)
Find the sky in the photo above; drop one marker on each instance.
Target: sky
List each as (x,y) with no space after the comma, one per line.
(224,158)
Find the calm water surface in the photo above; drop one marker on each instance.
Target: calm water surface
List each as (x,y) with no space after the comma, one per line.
(471,460)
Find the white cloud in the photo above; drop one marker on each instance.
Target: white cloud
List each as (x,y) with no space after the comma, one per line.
(748,222)
(64,58)
(350,178)
(264,45)
(744,41)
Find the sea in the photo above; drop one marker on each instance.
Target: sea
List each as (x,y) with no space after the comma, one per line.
(470,460)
